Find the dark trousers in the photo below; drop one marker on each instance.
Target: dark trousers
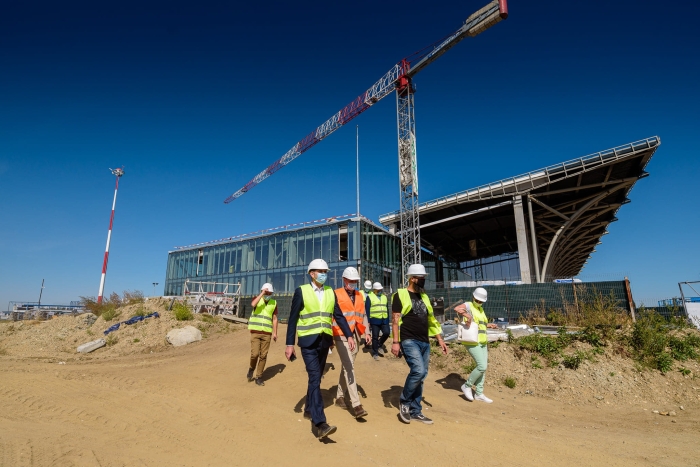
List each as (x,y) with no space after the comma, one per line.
(376,340)
(315,360)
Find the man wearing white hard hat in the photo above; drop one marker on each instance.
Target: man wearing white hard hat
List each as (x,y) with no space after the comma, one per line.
(368,289)
(473,311)
(349,302)
(413,325)
(377,308)
(262,325)
(311,319)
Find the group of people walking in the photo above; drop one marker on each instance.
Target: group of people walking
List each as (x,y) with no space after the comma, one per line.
(322,318)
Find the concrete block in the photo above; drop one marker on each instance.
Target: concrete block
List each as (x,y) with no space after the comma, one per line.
(183,336)
(90,346)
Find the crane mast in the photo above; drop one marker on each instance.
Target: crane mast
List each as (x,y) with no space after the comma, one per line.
(398,78)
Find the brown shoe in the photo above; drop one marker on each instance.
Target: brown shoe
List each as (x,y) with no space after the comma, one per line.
(360,412)
(340,402)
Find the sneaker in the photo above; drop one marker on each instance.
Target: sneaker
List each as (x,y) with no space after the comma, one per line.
(380,351)
(468,393)
(360,411)
(405,413)
(376,357)
(323,430)
(250,375)
(259,382)
(422,418)
(340,402)
(482,398)
(307,415)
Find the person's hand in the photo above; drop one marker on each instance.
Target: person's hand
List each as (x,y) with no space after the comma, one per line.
(492,326)
(467,319)
(368,339)
(443,346)
(395,349)
(289,351)
(274,336)
(351,344)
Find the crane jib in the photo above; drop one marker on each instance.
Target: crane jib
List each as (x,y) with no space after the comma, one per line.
(399,76)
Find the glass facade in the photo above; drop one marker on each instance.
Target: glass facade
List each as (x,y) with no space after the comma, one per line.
(282,258)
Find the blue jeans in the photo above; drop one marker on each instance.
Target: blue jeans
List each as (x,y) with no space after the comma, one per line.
(417,355)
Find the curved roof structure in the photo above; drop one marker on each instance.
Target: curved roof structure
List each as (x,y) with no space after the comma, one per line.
(565,208)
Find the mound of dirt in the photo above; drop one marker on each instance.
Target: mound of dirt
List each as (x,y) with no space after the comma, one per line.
(611,379)
(57,339)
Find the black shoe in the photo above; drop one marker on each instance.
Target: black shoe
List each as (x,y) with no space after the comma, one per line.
(323,430)
(405,413)
(250,375)
(307,415)
(422,418)
(259,382)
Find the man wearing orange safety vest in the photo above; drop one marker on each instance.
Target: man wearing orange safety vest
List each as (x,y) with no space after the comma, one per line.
(349,301)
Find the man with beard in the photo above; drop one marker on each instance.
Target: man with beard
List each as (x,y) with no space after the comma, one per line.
(413,325)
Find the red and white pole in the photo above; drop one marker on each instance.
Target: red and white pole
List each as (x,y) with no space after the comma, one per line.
(118,173)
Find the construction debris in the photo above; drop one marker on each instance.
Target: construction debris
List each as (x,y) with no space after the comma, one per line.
(91,346)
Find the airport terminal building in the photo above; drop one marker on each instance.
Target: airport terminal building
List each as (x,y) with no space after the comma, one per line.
(531,228)
(281,255)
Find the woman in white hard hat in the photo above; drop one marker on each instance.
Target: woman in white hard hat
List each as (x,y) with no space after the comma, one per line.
(479,351)
(262,325)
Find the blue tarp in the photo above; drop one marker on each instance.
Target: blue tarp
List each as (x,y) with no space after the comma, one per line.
(132,320)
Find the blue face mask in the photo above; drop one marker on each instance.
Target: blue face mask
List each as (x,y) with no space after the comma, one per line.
(378,292)
(352,286)
(321,277)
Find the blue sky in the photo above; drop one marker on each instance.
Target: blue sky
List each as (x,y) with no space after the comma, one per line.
(194,100)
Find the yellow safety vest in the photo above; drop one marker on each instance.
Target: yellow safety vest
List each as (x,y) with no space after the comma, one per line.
(481,320)
(378,306)
(261,319)
(434,327)
(316,317)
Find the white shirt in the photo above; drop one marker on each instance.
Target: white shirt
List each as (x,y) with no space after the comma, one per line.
(318,291)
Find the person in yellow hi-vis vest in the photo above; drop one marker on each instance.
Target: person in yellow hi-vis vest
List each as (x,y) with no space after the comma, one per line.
(262,325)
(311,319)
(377,308)
(479,351)
(413,325)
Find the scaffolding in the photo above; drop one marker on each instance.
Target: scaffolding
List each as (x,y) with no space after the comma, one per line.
(214,298)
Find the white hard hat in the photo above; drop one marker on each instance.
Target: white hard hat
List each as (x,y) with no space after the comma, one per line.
(377,286)
(351,274)
(480,294)
(416,270)
(368,284)
(317,264)
(267,286)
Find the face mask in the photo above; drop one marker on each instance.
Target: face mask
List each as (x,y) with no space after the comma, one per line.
(267,298)
(378,292)
(420,282)
(321,277)
(351,286)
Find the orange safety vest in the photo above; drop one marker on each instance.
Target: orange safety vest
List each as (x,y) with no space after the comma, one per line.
(354,313)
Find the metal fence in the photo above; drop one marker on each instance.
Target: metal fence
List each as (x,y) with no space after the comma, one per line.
(505,301)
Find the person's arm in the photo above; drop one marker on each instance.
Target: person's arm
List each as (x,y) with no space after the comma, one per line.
(396,309)
(257,299)
(368,305)
(463,311)
(274,324)
(368,334)
(294,311)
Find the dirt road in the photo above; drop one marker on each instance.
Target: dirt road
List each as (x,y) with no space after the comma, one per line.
(192,406)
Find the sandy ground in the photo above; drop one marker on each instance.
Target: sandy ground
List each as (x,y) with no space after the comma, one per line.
(192,406)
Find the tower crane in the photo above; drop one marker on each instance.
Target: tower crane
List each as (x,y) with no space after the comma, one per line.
(400,79)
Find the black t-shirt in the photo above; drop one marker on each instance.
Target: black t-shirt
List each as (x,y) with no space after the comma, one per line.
(415,322)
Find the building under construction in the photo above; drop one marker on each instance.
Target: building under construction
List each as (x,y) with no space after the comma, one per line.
(534,227)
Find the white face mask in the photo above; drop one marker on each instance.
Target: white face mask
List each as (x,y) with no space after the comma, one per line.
(351,286)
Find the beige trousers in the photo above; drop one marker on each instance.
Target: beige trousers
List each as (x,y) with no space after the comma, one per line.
(347,383)
(259,346)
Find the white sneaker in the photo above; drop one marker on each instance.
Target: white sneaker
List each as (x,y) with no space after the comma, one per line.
(482,398)
(468,392)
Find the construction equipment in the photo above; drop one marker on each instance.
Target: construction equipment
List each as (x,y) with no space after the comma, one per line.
(214,298)
(398,78)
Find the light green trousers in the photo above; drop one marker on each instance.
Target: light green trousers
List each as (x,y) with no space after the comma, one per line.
(480,354)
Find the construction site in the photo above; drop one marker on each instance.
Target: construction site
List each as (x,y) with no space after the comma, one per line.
(581,371)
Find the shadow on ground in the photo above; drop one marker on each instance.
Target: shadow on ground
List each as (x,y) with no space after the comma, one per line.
(273,371)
